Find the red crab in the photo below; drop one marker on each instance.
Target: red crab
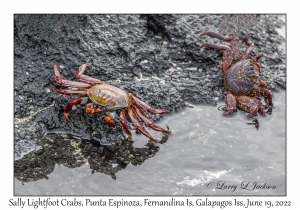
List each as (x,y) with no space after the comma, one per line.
(109,97)
(241,79)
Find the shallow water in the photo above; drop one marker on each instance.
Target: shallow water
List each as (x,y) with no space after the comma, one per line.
(204,153)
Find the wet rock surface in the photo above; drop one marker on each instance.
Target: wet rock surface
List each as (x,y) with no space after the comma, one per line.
(154,57)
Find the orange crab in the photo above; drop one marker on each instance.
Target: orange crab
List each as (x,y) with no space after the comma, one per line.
(116,100)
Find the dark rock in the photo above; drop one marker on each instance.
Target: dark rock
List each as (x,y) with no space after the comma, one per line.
(155,57)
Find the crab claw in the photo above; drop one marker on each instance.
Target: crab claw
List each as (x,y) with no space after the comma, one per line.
(261,109)
(262,84)
(109,120)
(71,105)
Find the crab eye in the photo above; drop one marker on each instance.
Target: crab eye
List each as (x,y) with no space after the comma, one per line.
(257,67)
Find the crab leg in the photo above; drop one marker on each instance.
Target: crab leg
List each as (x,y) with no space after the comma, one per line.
(67,83)
(138,126)
(149,108)
(215,46)
(248,50)
(255,123)
(70,105)
(230,52)
(262,92)
(235,41)
(85,78)
(216,35)
(228,55)
(250,105)
(70,92)
(230,104)
(122,119)
(148,122)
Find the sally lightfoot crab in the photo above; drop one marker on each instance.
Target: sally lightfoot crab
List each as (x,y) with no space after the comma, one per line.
(101,95)
(241,79)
